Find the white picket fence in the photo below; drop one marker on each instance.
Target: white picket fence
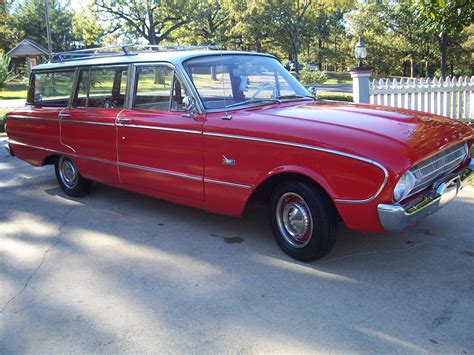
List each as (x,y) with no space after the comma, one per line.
(451,97)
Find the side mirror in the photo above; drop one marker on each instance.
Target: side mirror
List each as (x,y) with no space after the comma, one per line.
(189,106)
(313,91)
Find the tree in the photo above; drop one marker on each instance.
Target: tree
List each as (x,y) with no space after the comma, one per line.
(88,31)
(9,35)
(155,21)
(446,19)
(293,19)
(28,17)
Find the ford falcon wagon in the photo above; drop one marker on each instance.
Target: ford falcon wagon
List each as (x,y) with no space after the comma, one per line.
(215,129)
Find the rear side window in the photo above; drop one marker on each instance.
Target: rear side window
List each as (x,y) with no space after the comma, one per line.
(102,88)
(51,89)
(158,88)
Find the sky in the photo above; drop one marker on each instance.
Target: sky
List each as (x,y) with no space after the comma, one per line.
(77,4)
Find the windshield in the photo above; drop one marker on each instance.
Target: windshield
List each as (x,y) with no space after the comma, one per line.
(235,80)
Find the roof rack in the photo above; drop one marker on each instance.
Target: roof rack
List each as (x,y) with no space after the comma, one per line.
(123,50)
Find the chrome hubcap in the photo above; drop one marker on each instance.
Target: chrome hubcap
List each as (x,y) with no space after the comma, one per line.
(294,219)
(68,172)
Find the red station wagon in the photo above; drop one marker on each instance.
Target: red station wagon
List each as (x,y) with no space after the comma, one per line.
(212,129)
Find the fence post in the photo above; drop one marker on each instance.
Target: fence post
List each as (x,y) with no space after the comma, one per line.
(360,83)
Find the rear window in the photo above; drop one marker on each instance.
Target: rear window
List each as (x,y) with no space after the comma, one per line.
(51,89)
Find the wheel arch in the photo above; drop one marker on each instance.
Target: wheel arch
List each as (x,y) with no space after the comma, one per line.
(270,181)
(50,159)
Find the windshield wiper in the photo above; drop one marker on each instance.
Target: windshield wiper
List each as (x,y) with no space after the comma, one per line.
(295,97)
(253,101)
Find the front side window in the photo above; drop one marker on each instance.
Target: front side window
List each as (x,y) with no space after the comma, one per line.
(101,88)
(235,80)
(158,88)
(51,89)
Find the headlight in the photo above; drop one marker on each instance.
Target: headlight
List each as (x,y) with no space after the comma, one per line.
(404,186)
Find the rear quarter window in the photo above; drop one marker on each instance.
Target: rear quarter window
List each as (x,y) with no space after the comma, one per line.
(50,89)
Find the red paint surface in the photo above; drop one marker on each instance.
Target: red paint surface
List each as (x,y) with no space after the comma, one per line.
(395,138)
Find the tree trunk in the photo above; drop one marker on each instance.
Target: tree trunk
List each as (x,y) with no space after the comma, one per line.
(412,68)
(443,48)
(294,48)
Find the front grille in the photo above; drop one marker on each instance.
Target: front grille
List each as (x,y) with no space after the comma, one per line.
(441,164)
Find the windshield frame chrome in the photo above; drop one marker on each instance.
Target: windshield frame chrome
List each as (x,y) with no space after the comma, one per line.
(243,106)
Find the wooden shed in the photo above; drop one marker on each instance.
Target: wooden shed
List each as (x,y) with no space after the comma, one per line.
(29,49)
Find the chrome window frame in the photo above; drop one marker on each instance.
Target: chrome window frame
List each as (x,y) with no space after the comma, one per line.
(178,71)
(198,97)
(89,68)
(55,70)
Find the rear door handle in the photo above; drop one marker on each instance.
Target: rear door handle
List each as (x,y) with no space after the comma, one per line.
(124,120)
(63,115)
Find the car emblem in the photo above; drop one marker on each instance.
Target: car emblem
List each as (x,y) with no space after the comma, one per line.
(227,161)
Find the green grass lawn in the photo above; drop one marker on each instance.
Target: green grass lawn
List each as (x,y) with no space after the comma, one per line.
(17,89)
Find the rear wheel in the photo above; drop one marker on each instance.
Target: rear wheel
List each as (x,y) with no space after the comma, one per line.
(69,178)
(303,220)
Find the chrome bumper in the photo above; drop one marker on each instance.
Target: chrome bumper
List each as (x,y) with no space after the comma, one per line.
(397,217)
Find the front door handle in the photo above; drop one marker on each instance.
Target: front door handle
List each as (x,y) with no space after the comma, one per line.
(63,115)
(124,120)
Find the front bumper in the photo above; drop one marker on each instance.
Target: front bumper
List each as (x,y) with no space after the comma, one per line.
(397,217)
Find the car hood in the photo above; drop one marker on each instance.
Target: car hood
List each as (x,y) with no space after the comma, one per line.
(375,131)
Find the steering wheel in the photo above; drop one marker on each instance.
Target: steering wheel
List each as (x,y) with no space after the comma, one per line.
(264,87)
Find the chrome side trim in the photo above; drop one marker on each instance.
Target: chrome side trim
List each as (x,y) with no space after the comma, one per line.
(219,182)
(24,117)
(134,166)
(88,122)
(168,129)
(325,150)
(160,171)
(10,141)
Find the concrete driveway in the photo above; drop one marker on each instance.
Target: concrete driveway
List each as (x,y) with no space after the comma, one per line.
(119,272)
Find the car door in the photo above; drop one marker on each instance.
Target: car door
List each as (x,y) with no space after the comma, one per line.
(159,147)
(88,126)
(36,124)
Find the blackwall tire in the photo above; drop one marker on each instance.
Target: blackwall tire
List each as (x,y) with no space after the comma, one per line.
(69,178)
(303,220)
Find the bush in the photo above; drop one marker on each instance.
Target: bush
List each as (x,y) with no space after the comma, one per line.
(310,76)
(336,96)
(6,75)
(2,122)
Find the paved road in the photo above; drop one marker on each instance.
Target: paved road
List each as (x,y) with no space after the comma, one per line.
(4,104)
(335,87)
(119,272)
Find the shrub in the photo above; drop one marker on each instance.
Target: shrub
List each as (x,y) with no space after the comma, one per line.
(310,76)
(336,96)
(2,122)
(6,75)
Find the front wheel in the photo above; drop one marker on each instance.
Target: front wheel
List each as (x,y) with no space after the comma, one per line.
(69,178)
(303,220)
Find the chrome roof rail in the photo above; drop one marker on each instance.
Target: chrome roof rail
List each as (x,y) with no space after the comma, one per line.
(123,50)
